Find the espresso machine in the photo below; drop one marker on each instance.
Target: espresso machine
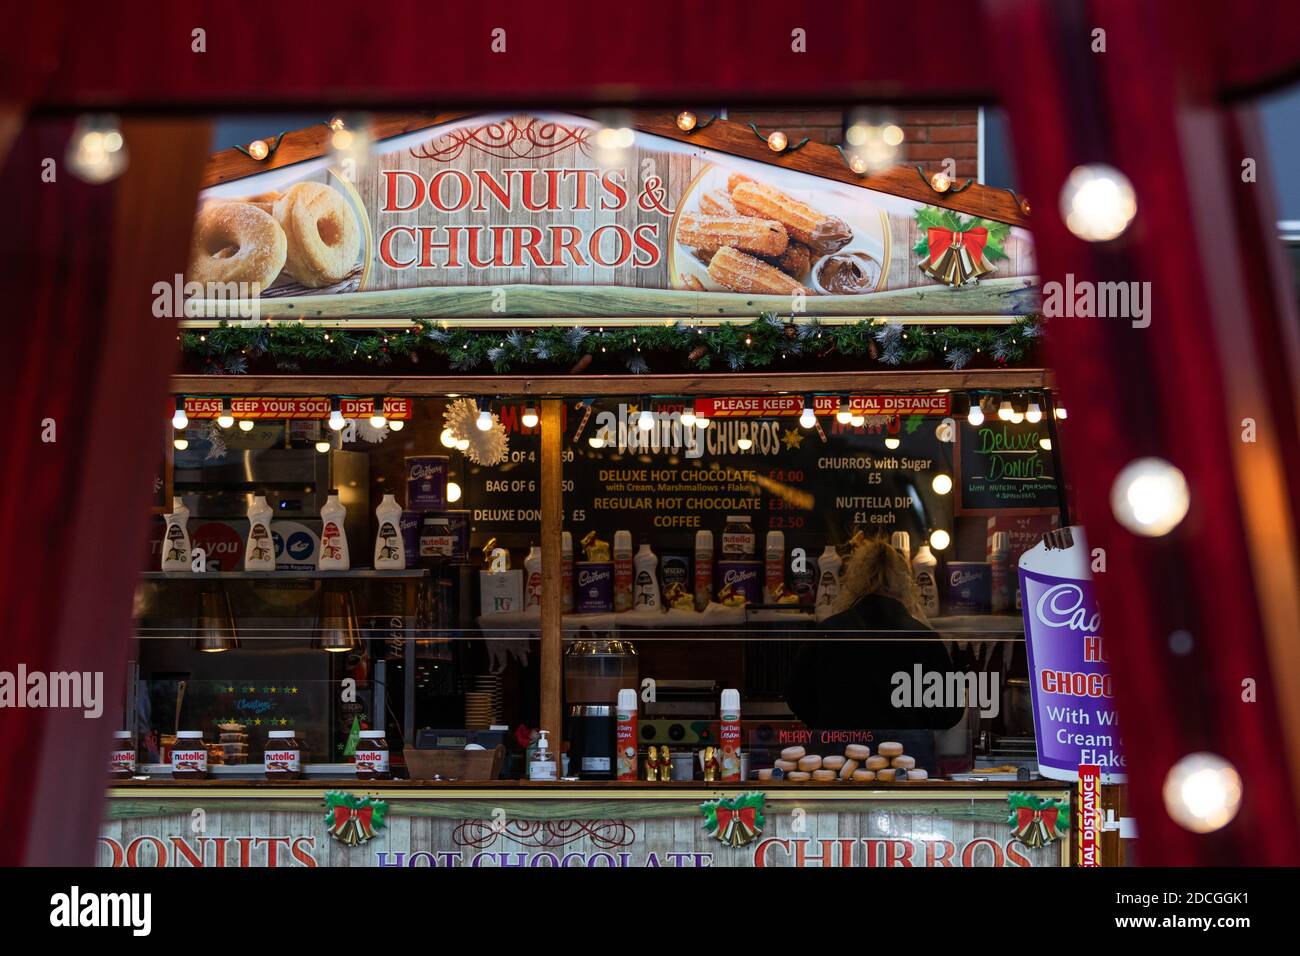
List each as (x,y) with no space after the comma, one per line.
(594,672)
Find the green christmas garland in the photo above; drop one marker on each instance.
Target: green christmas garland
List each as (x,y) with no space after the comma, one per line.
(764,342)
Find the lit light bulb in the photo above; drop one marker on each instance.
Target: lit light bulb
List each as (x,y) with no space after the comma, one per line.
(180,443)
(808,417)
(484,420)
(1202,792)
(843,414)
(688,416)
(744,443)
(180,421)
(891,442)
(259,150)
(227,416)
(1005,411)
(858,165)
(447,438)
(396,425)
(686,121)
(1016,417)
(597,440)
(377,420)
(1060,413)
(323,447)
(453,491)
(940,539)
(646,420)
(96,151)
(892,135)
(1097,202)
(976,414)
(701,421)
(1149,497)
(1033,413)
(462,444)
(857,420)
(777,141)
(940,182)
(246,425)
(942,484)
(1045,443)
(336,421)
(530,417)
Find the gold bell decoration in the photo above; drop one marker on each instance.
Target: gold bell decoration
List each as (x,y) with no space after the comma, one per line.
(956,257)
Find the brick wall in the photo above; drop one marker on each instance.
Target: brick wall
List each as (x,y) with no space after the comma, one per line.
(929,135)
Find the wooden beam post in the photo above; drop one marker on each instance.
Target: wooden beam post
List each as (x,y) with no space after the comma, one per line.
(552,648)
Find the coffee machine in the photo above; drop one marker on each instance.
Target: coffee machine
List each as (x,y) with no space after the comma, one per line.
(594,672)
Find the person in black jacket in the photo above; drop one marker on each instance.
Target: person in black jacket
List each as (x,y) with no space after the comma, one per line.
(845,679)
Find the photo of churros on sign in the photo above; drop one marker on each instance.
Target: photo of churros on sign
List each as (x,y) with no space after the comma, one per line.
(737,233)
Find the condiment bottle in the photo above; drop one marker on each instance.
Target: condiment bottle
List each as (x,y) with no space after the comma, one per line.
(566,572)
(371,758)
(729,734)
(1000,563)
(646,593)
(622,570)
(774,567)
(533,578)
(925,572)
(542,765)
(282,758)
(121,759)
(625,735)
(390,552)
(259,552)
(703,569)
(902,543)
(738,539)
(333,539)
(176,539)
(828,580)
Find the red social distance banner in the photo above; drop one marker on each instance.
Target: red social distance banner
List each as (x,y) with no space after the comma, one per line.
(257,407)
(1089,802)
(775,406)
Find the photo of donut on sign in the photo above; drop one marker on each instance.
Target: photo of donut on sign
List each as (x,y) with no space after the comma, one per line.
(309,238)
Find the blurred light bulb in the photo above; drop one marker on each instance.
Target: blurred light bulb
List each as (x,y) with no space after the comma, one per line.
(180,421)
(1202,792)
(940,182)
(744,443)
(940,539)
(808,417)
(180,443)
(1150,497)
(1033,413)
(462,444)
(942,484)
(323,447)
(259,150)
(530,417)
(447,438)
(688,416)
(777,141)
(453,491)
(246,425)
(686,121)
(857,420)
(225,419)
(377,420)
(1045,443)
(484,420)
(597,440)
(701,421)
(336,421)
(396,425)
(976,414)
(96,152)
(1097,202)
(1005,411)
(646,420)
(1016,417)
(892,135)
(1060,413)
(843,414)
(891,442)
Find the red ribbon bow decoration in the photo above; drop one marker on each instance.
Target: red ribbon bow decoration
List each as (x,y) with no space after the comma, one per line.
(746,815)
(1036,827)
(353,820)
(956,257)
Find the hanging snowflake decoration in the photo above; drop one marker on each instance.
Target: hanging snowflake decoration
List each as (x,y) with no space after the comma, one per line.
(368,433)
(959,358)
(485,447)
(889,334)
(636,364)
(216,441)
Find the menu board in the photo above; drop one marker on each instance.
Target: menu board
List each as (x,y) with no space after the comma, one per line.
(1002,466)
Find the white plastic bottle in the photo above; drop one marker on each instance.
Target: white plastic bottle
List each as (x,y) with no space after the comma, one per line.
(729,735)
(176,539)
(622,570)
(542,765)
(566,572)
(829,564)
(259,551)
(533,578)
(926,574)
(390,553)
(333,539)
(645,590)
(902,543)
(774,567)
(703,569)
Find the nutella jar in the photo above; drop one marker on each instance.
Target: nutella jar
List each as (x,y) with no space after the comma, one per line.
(189,756)
(121,759)
(282,759)
(372,756)
(738,538)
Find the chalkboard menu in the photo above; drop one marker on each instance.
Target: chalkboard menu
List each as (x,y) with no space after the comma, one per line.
(1002,466)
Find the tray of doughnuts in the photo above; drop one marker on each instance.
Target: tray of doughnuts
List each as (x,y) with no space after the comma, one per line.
(858,764)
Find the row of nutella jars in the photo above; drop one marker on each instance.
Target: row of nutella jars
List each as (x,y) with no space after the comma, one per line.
(259,550)
(282,759)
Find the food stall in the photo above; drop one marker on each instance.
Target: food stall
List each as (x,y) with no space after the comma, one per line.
(499,424)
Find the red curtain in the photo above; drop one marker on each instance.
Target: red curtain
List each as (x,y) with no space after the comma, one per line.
(83,381)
